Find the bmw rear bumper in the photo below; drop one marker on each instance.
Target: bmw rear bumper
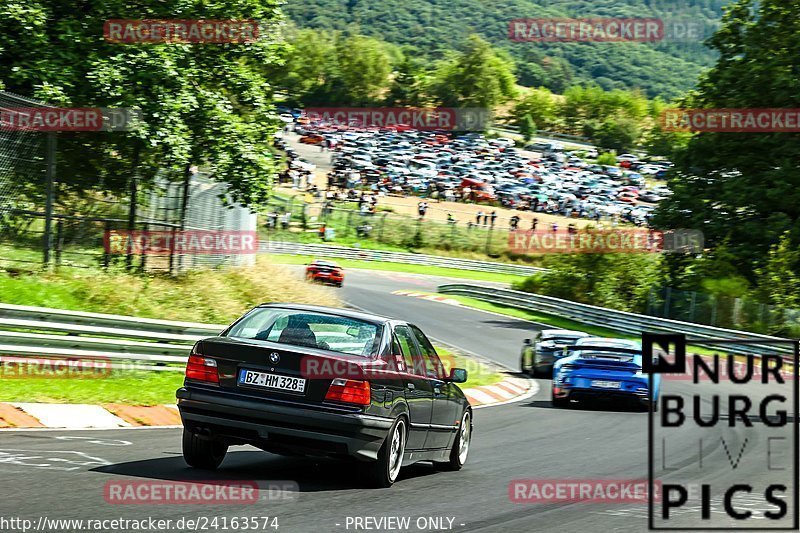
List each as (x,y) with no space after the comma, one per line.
(282,427)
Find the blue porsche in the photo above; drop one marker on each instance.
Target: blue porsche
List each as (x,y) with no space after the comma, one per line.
(601,368)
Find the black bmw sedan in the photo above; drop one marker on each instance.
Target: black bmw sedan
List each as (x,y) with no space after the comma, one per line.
(317,381)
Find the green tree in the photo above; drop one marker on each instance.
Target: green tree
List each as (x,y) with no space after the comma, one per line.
(527,127)
(307,72)
(364,66)
(193,114)
(540,105)
(778,280)
(409,84)
(744,188)
(480,77)
(620,134)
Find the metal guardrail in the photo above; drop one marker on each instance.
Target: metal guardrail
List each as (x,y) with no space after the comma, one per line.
(395,257)
(127,342)
(621,321)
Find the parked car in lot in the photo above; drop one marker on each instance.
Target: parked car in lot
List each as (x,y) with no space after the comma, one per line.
(539,354)
(598,368)
(317,381)
(312,139)
(325,272)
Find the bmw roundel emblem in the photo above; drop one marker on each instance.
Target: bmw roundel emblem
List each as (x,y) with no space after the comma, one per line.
(274,357)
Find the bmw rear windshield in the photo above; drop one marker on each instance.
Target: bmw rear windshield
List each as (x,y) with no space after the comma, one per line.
(309,329)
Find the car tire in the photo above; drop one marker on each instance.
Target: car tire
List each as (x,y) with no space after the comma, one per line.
(202,453)
(384,472)
(559,402)
(460,450)
(647,406)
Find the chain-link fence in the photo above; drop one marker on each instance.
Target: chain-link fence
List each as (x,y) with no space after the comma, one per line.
(23,173)
(723,311)
(199,205)
(44,223)
(292,220)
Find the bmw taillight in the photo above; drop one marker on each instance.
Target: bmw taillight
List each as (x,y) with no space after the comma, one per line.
(349,391)
(201,368)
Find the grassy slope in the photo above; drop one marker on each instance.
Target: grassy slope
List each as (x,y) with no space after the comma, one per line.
(135,388)
(401,267)
(214,296)
(151,388)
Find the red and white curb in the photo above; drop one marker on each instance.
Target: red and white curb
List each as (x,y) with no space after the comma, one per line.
(428,296)
(85,416)
(509,390)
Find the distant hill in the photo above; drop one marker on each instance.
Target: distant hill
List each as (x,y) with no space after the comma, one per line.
(664,69)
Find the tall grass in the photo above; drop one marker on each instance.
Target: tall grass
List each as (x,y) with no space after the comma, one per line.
(216,296)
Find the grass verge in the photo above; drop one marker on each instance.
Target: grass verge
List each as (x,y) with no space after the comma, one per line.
(400,267)
(213,296)
(153,388)
(125,387)
(478,374)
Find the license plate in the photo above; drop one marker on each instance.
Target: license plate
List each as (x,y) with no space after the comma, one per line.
(271,381)
(605,384)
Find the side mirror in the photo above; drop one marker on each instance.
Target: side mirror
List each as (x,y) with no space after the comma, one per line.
(458,375)
(526,341)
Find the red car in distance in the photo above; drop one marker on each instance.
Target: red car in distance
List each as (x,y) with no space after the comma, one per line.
(325,272)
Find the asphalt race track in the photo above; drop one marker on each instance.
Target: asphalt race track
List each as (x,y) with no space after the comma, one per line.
(62,474)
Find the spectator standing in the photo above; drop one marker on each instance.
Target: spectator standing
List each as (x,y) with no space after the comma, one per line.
(479,218)
(422,208)
(534,224)
(492,218)
(514,223)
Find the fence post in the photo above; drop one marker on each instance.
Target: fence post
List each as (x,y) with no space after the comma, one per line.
(714,310)
(107,244)
(49,193)
(59,240)
(380,230)
(143,263)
